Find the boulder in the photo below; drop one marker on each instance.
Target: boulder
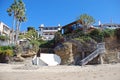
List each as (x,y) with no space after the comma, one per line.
(18,59)
(28,54)
(65,51)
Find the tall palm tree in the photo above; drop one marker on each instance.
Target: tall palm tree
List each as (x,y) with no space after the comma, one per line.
(17,9)
(86,20)
(12,10)
(21,17)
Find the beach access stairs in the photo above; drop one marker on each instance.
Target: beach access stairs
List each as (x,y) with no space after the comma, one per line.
(99,51)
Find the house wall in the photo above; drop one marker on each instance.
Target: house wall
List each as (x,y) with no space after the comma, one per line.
(4,29)
(1,28)
(71,27)
(4,43)
(47,33)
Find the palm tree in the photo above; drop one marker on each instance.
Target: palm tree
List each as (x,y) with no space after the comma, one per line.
(21,17)
(12,10)
(86,21)
(17,9)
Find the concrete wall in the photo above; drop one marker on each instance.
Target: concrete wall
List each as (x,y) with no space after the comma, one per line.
(4,29)
(4,43)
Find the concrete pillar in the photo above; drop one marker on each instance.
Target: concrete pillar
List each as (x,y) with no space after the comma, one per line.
(37,60)
(71,53)
(83,55)
(101,59)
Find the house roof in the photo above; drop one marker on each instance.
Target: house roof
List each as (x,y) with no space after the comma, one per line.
(74,22)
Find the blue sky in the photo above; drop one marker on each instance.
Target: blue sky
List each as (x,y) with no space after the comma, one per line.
(54,12)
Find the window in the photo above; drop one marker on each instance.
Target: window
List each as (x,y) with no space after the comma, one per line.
(55,28)
(51,33)
(5,28)
(45,28)
(45,34)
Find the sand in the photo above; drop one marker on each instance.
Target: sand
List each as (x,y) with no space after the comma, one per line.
(89,72)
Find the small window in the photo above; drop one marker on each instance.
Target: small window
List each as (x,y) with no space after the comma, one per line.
(51,34)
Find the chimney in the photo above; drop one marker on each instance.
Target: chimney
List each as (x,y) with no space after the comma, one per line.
(58,25)
(42,25)
(59,28)
(99,22)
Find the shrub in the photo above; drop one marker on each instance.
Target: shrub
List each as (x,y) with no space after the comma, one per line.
(6,50)
(35,45)
(78,30)
(4,38)
(58,38)
(48,44)
(95,32)
(97,35)
(5,47)
(84,39)
(108,32)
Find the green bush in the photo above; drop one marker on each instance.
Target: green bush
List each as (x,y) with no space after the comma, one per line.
(4,38)
(35,45)
(58,38)
(108,32)
(6,50)
(5,47)
(97,35)
(95,32)
(83,39)
(48,44)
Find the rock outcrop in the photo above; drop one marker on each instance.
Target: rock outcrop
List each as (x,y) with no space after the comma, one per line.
(65,51)
(29,53)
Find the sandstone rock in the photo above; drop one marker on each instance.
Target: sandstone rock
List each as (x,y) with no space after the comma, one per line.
(19,59)
(65,52)
(28,54)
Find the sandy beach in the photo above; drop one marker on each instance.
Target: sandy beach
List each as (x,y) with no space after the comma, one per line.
(89,72)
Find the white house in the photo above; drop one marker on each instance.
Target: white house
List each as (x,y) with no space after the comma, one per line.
(47,33)
(5,31)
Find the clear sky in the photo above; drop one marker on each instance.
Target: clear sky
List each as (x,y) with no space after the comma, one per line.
(54,12)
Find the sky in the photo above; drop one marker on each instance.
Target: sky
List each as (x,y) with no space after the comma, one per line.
(54,12)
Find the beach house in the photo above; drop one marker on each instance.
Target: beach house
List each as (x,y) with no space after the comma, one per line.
(47,33)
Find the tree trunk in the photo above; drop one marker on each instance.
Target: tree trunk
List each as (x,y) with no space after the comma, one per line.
(17,24)
(12,32)
(85,29)
(18,29)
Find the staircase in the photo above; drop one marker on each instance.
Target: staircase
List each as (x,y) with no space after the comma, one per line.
(100,50)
